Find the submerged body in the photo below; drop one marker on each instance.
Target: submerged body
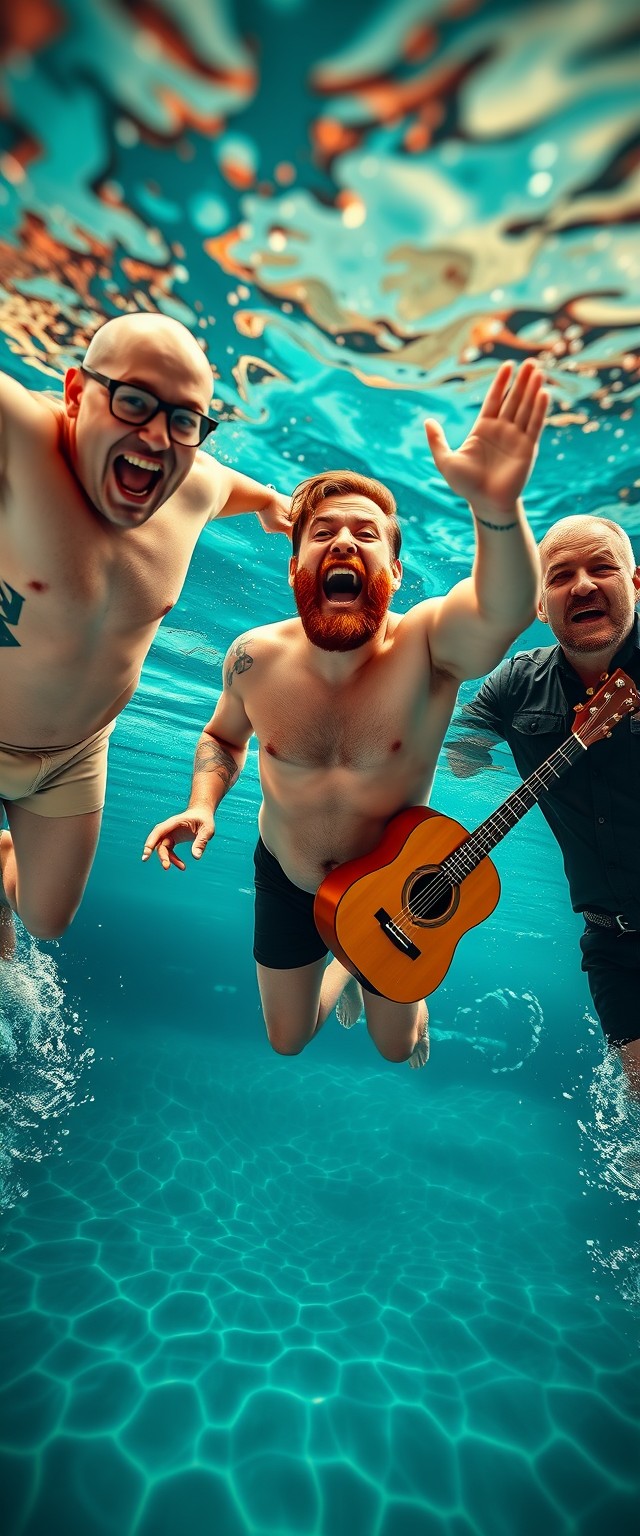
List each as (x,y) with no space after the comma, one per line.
(336,762)
(103,495)
(590,589)
(88,596)
(350,702)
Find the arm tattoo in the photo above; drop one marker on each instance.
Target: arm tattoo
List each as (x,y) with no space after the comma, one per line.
(497,527)
(242,662)
(10,609)
(212,758)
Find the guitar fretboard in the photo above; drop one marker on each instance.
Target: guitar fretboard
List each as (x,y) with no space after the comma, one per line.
(490,832)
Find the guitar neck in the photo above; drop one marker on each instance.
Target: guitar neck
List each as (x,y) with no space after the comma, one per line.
(490,832)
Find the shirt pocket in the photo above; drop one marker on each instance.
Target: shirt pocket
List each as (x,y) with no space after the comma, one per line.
(540,722)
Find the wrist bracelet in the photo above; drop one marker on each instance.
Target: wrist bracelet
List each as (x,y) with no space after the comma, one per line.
(497,527)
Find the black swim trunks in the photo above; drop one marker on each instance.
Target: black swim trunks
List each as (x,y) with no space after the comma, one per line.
(285,935)
(612,964)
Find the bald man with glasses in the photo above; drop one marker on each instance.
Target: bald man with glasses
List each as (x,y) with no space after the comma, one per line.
(103,496)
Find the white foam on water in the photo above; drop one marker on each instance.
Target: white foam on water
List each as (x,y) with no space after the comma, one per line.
(613,1130)
(504,1026)
(44,1061)
(611,1162)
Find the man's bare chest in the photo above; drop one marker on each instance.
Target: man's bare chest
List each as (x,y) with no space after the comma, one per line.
(65,566)
(361,727)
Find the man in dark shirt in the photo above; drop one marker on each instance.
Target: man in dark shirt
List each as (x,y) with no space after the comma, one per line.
(590,586)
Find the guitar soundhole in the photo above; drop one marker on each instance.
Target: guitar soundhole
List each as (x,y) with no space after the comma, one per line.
(430,897)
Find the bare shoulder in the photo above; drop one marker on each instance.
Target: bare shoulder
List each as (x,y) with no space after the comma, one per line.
(31,409)
(413,632)
(253,653)
(29,429)
(412,628)
(205,489)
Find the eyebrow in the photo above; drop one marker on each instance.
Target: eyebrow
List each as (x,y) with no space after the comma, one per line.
(362,519)
(601,556)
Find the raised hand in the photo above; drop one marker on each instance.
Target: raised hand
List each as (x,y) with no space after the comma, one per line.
(276,516)
(491,468)
(191,826)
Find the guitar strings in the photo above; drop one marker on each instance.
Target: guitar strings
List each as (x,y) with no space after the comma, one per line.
(522,798)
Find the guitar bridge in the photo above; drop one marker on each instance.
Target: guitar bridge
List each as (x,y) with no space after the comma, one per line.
(396,935)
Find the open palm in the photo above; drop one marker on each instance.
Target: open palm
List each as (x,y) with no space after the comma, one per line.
(491,468)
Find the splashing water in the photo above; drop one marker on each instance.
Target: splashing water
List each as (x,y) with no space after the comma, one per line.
(44,1060)
(613,1131)
(504,1026)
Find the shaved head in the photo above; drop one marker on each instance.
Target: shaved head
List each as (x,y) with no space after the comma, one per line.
(166,338)
(570,532)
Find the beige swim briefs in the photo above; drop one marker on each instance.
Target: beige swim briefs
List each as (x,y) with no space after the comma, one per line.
(61,781)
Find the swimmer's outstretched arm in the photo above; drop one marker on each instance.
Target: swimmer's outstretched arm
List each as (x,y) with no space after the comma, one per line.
(239,493)
(220,757)
(472,626)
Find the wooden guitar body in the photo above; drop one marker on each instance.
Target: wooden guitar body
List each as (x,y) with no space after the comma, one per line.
(392,918)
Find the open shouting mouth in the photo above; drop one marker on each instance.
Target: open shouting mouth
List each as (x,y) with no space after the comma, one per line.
(589,615)
(342,584)
(137,475)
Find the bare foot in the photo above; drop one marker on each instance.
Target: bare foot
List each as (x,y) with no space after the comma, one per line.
(420,1053)
(350,1004)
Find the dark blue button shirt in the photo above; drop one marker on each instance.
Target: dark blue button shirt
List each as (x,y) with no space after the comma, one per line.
(594,809)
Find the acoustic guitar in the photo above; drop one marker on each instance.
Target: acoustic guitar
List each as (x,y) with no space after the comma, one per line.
(394,916)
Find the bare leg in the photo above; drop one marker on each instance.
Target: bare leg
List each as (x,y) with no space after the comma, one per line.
(630,1058)
(296,1003)
(45,865)
(7,925)
(399,1030)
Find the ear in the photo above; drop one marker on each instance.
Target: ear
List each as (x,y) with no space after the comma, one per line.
(73,390)
(541,611)
(293,566)
(396,567)
(636,581)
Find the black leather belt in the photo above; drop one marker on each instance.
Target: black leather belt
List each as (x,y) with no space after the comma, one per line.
(615,920)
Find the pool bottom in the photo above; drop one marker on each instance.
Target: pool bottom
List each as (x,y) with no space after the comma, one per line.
(250,1294)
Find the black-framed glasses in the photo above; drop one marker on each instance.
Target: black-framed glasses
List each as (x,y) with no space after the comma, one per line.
(128,402)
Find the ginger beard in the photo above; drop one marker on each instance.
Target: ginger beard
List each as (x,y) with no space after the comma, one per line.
(341,631)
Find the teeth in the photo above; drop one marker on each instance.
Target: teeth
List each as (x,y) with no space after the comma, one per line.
(342,570)
(140,463)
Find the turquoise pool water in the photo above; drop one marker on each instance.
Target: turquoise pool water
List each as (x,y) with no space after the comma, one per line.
(243,1294)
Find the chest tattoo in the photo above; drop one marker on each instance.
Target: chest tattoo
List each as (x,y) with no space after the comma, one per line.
(10,609)
(242,661)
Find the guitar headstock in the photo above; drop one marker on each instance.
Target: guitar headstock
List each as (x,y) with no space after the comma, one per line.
(615,699)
